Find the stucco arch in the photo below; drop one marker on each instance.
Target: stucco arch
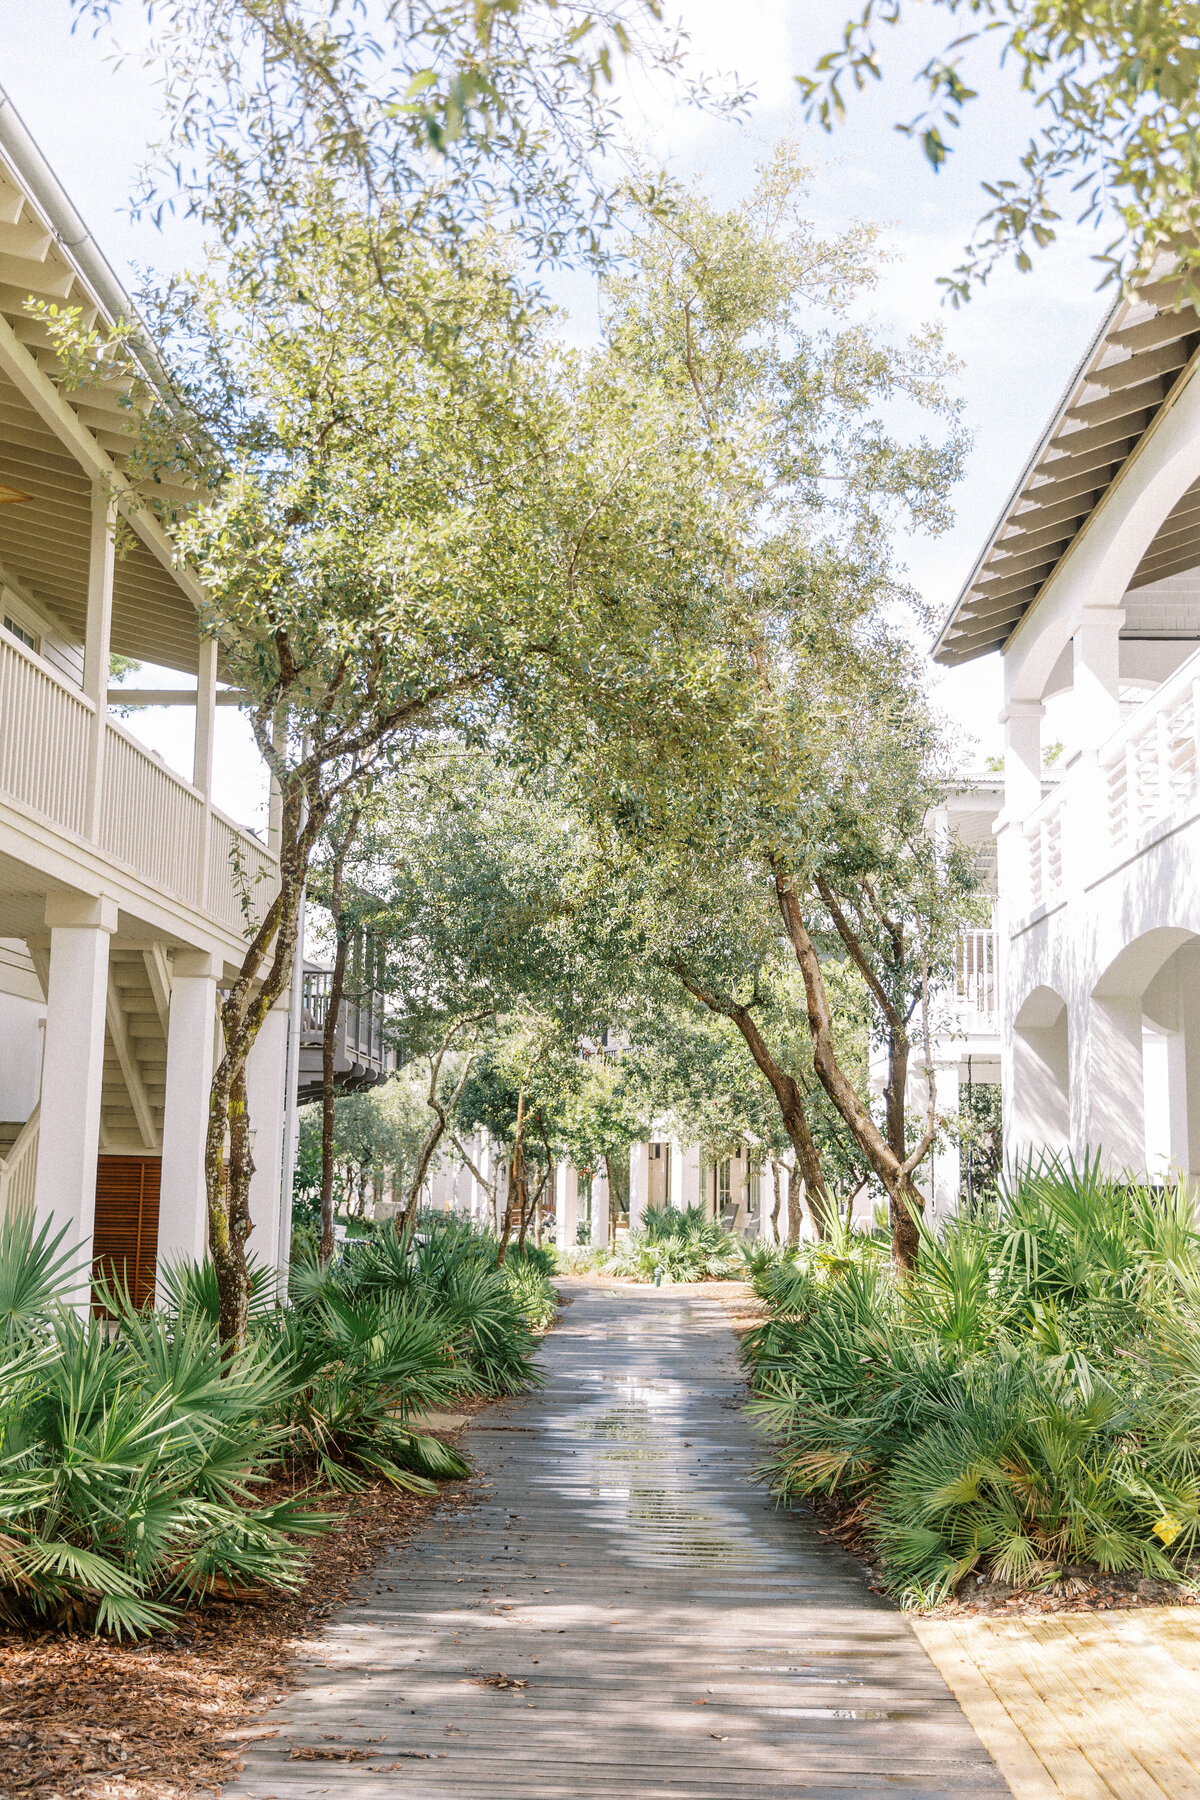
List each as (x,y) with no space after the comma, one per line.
(1100,564)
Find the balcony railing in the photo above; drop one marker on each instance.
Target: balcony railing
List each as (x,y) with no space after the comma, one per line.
(1145,770)
(976,985)
(151,820)
(360,1016)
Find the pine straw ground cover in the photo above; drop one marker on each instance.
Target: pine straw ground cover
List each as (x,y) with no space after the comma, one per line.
(85,1718)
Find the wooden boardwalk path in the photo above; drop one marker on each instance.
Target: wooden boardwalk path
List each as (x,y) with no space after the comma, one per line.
(1081,1706)
(662,1632)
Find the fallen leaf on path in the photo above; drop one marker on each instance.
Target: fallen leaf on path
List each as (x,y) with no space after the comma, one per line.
(314,1753)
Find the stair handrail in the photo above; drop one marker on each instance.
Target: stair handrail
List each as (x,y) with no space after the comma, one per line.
(18,1168)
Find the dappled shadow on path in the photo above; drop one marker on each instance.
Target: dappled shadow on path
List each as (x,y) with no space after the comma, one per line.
(661,1629)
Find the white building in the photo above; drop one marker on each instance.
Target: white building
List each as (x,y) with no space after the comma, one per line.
(965,1038)
(1090,589)
(119,910)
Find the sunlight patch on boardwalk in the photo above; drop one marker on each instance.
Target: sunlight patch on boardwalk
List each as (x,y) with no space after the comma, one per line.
(620,1612)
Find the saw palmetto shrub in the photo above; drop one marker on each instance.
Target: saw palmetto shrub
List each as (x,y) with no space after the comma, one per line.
(133,1453)
(137,1451)
(1026,1404)
(677,1244)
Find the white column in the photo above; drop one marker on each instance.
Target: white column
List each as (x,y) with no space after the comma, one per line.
(1107,1086)
(202,752)
(600,1208)
(97,649)
(639,1184)
(566,1206)
(685,1176)
(1022,721)
(947,1160)
(183,1203)
(1097,648)
(266,1090)
(73,1070)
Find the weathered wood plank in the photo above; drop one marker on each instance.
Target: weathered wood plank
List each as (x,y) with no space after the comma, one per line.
(679,1638)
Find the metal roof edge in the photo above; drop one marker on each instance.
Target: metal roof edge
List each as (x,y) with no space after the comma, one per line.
(1031,463)
(73,236)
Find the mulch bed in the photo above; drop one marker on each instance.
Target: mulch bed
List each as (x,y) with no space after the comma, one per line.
(84,1718)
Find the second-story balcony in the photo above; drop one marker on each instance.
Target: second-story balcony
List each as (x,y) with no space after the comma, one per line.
(145,819)
(1111,804)
(362,1057)
(977,987)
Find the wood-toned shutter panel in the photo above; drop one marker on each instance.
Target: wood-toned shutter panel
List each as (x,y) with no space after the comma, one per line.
(125,1244)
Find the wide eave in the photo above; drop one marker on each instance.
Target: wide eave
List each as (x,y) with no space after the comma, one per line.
(1134,362)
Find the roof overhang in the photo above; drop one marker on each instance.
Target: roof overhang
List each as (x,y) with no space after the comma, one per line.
(1111,401)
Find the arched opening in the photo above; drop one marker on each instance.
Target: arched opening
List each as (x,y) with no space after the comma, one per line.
(1039,1116)
(1140,1078)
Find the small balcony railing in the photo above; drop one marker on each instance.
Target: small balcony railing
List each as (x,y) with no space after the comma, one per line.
(151,820)
(1147,769)
(977,987)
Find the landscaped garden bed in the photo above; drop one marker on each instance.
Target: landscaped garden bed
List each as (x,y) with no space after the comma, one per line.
(1025,1408)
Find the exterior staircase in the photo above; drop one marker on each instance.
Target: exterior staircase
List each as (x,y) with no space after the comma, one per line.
(135,1053)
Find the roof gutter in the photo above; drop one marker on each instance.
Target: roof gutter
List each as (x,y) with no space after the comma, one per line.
(73,236)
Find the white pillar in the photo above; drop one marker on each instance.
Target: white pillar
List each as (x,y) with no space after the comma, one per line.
(266,1090)
(685,1176)
(566,1205)
(1107,1087)
(73,1070)
(203,745)
(1097,699)
(97,649)
(947,1157)
(600,1209)
(1022,721)
(639,1184)
(183,1204)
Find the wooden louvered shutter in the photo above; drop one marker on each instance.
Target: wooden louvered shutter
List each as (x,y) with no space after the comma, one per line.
(125,1243)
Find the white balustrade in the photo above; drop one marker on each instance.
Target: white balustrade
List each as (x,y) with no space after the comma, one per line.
(976,983)
(1151,764)
(242,875)
(1145,771)
(151,820)
(18,1169)
(1044,835)
(43,737)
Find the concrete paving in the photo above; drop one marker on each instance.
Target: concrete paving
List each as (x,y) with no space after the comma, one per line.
(622,1613)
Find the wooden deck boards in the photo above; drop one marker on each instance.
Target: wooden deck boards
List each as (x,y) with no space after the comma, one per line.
(680,1639)
(1081,1706)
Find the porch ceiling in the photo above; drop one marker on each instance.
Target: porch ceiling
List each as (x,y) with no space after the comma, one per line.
(44,539)
(1110,403)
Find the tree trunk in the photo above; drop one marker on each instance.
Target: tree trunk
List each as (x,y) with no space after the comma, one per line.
(328,1094)
(795,1202)
(905,1200)
(516,1179)
(776,1198)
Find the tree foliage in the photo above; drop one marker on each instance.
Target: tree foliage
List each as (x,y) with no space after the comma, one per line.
(1114,88)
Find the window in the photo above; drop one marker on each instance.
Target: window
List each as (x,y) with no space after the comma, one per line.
(723,1186)
(20,633)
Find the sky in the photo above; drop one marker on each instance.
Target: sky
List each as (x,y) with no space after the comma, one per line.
(1018,340)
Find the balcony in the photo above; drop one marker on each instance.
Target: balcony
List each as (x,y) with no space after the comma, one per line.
(1110,806)
(977,988)
(149,822)
(361,1057)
